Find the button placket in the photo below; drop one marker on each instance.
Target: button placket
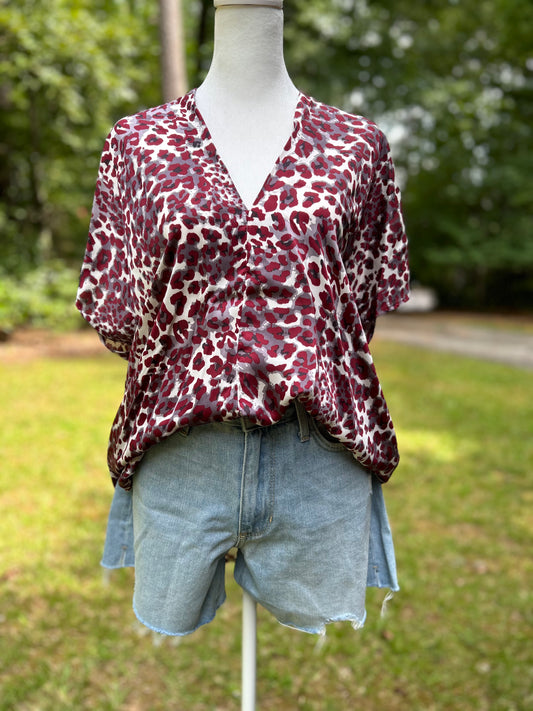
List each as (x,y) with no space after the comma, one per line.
(239,290)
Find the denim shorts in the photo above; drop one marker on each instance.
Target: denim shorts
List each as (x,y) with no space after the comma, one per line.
(308,524)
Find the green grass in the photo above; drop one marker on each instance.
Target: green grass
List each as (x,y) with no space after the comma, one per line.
(458,636)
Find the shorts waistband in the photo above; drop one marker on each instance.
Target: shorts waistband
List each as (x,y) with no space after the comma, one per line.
(295,411)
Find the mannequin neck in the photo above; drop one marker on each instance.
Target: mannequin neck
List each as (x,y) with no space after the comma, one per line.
(248,100)
(248,52)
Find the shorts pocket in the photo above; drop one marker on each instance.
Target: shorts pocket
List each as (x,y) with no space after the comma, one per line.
(324,438)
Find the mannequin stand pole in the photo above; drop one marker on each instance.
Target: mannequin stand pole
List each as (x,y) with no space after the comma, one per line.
(249,645)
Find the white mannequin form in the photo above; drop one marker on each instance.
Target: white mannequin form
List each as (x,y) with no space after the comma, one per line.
(247,99)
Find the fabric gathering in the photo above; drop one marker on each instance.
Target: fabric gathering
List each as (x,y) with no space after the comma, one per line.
(252,416)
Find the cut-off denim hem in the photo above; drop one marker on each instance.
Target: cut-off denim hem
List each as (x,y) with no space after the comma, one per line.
(185,633)
(309,524)
(320,628)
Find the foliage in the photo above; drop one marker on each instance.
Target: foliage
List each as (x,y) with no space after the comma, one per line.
(457,637)
(69,69)
(450,82)
(453,83)
(42,297)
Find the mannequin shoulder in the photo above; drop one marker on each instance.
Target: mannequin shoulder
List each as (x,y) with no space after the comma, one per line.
(340,124)
(173,116)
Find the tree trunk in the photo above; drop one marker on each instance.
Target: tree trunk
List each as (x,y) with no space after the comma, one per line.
(173,67)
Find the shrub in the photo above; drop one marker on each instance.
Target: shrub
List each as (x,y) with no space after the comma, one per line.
(43,297)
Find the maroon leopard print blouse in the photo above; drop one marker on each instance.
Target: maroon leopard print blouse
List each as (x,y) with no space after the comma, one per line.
(225,311)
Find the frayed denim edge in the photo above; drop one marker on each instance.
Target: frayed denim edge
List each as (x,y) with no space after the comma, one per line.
(177,634)
(388,597)
(356,623)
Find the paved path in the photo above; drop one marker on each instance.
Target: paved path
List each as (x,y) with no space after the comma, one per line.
(497,339)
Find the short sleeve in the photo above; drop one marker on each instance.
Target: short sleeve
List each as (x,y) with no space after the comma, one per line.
(377,261)
(105,296)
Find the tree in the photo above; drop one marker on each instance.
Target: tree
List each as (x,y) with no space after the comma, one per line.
(450,81)
(70,70)
(453,82)
(173,63)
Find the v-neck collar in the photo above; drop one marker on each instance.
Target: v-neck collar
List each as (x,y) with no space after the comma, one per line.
(299,111)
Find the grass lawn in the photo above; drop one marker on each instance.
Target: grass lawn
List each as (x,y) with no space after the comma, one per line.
(458,636)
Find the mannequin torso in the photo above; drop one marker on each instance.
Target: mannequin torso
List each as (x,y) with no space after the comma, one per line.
(248,99)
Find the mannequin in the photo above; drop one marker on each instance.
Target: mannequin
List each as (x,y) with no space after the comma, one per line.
(247,99)
(244,299)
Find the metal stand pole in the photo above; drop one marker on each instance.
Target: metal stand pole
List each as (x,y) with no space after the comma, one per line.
(249,646)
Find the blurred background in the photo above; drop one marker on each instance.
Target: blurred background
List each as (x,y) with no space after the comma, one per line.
(450,82)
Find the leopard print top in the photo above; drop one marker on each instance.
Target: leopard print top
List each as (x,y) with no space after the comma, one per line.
(225,311)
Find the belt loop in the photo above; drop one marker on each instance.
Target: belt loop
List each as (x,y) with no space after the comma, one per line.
(303,421)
